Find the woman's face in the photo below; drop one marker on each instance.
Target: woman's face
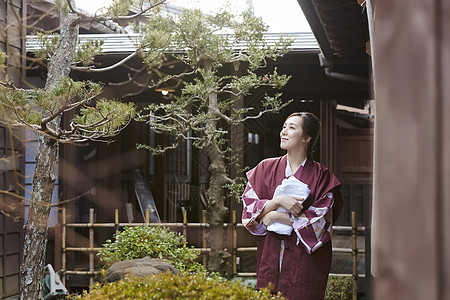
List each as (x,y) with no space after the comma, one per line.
(292,134)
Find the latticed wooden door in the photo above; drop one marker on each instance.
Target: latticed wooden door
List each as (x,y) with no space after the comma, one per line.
(11,212)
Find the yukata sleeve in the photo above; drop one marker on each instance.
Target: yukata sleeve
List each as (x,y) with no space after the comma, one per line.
(252,209)
(313,226)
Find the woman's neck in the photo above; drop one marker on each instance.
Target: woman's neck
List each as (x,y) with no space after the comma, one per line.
(296,160)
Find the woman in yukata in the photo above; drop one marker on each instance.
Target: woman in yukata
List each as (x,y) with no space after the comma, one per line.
(294,192)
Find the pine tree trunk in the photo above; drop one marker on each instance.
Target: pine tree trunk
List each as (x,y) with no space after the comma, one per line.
(44,175)
(217,211)
(36,228)
(216,197)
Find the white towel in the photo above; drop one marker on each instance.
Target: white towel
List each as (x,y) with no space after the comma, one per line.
(293,187)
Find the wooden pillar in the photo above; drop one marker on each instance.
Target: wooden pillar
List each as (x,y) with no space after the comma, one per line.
(328,134)
(411,62)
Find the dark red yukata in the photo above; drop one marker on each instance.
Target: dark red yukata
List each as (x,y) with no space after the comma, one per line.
(296,265)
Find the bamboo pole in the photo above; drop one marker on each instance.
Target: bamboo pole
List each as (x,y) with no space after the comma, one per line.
(202,250)
(354,254)
(253,274)
(91,245)
(247,249)
(246,274)
(234,258)
(204,242)
(112,225)
(88,225)
(88,273)
(116,220)
(57,259)
(63,245)
(83,249)
(184,211)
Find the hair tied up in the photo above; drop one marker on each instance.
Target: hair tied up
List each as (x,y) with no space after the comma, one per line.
(311,127)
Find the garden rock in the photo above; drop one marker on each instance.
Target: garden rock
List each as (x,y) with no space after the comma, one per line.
(138,267)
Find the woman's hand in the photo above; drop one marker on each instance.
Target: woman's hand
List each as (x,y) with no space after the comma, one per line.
(291,204)
(276,216)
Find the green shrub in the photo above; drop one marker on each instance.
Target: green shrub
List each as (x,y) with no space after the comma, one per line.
(247,281)
(340,288)
(168,286)
(155,242)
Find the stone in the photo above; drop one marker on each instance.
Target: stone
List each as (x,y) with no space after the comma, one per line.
(138,267)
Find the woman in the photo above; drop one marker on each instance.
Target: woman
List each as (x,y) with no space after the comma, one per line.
(297,264)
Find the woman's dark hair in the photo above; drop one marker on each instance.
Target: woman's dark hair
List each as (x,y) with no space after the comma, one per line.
(311,127)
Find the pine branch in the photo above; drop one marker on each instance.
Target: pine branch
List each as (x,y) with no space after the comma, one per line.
(131,79)
(83,17)
(67,107)
(90,69)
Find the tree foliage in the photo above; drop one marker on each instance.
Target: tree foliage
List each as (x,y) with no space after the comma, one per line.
(93,118)
(36,108)
(207,45)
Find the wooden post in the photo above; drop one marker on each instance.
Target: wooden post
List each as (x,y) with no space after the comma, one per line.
(147,216)
(91,245)
(63,245)
(204,243)
(410,42)
(354,255)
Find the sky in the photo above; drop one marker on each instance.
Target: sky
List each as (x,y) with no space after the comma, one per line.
(284,16)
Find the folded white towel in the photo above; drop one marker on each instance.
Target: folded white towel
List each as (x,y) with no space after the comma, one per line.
(293,187)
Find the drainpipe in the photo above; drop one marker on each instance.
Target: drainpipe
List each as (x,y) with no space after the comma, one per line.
(328,67)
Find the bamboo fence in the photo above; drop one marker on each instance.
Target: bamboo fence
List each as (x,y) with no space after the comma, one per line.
(231,246)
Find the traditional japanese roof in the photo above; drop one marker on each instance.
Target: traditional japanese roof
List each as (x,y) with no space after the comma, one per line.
(340,26)
(125,43)
(36,9)
(341,30)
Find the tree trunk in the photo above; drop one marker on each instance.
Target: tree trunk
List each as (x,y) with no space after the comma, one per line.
(44,175)
(217,210)
(36,228)
(216,198)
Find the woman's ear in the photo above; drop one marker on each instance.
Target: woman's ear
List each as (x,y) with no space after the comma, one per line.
(308,139)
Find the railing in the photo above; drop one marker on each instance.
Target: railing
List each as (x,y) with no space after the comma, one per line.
(231,245)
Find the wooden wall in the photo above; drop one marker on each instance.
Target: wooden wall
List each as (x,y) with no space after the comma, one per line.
(11,40)
(11,212)
(11,208)
(355,148)
(354,170)
(411,62)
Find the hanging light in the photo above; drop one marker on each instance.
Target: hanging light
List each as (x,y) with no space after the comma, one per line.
(165,91)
